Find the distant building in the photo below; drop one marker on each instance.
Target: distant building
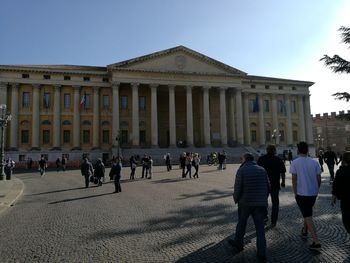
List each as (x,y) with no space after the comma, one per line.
(165,99)
(331,130)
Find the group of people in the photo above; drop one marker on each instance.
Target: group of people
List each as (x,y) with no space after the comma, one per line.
(255,181)
(146,163)
(96,173)
(187,160)
(61,164)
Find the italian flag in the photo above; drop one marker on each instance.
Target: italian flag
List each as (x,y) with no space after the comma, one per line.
(82,102)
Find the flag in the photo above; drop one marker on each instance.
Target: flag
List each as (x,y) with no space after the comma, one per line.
(82,102)
(46,100)
(283,107)
(256,104)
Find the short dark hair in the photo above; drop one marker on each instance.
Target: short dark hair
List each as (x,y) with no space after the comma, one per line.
(248,157)
(271,149)
(303,147)
(346,158)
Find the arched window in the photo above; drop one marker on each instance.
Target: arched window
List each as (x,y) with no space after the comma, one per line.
(46,122)
(252,124)
(105,123)
(66,122)
(25,123)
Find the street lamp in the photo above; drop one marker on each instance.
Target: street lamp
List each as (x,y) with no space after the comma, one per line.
(118,142)
(319,141)
(4,118)
(275,135)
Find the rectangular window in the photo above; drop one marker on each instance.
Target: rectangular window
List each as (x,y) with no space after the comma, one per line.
(22,158)
(25,76)
(294,106)
(25,101)
(47,77)
(66,77)
(142,103)
(267,87)
(295,136)
(268,136)
(142,136)
(280,106)
(252,86)
(87,103)
(66,136)
(66,100)
(105,79)
(124,102)
(86,136)
(251,105)
(24,136)
(46,136)
(124,137)
(46,100)
(253,136)
(266,106)
(86,78)
(105,102)
(105,136)
(280,87)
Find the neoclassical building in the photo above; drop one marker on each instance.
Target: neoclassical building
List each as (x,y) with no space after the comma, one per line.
(171,97)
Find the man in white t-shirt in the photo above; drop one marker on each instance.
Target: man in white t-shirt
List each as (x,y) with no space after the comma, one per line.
(306,178)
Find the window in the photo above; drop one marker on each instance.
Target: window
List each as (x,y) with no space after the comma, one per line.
(105,79)
(280,87)
(66,136)
(253,135)
(46,100)
(282,108)
(22,157)
(66,100)
(105,102)
(47,77)
(267,87)
(142,137)
(25,136)
(142,103)
(46,136)
(87,103)
(294,106)
(295,136)
(282,135)
(86,136)
(268,136)
(105,136)
(266,106)
(252,86)
(251,105)
(293,88)
(124,137)
(66,77)
(25,76)
(25,102)
(124,102)
(86,78)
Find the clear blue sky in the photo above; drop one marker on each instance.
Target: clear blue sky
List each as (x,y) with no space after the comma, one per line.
(276,38)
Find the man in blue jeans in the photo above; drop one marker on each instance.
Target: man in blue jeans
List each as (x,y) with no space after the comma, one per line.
(251,190)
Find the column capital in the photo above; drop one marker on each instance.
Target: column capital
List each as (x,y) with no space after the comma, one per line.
(14,85)
(135,84)
(36,86)
(223,88)
(3,84)
(153,85)
(96,89)
(57,87)
(115,84)
(189,88)
(171,86)
(76,88)
(206,87)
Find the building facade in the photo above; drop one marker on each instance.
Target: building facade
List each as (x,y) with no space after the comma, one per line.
(332,130)
(166,99)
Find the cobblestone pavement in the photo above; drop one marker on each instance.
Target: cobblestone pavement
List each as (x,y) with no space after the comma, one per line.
(165,219)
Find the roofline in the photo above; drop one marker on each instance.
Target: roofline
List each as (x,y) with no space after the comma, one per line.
(278,80)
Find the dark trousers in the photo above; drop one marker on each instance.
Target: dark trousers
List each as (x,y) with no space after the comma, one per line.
(183,170)
(87,177)
(117,184)
(275,205)
(258,213)
(196,167)
(144,168)
(132,174)
(168,166)
(345,212)
(189,168)
(331,170)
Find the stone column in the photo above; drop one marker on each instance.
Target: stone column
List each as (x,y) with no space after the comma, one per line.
(154,115)
(223,118)
(57,118)
(289,121)
(14,121)
(206,116)
(135,115)
(96,119)
(239,117)
(189,115)
(247,139)
(172,117)
(274,117)
(301,118)
(3,93)
(232,123)
(76,118)
(261,121)
(115,113)
(36,117)
(308,121)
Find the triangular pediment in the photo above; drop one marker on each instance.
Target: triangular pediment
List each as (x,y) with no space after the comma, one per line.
(179,59)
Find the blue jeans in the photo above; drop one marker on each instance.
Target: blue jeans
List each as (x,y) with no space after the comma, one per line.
(258,214)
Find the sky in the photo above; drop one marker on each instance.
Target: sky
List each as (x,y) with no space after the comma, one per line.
(273,38)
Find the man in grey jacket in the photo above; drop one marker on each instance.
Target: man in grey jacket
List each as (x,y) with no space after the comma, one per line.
(251,190)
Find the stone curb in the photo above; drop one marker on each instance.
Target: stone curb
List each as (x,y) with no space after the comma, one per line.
(10,191)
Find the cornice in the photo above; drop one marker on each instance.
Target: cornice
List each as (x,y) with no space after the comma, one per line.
(250,79)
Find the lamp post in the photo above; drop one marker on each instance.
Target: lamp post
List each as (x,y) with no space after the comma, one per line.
(319,141)
(4,118)
(275,135)
(118,142)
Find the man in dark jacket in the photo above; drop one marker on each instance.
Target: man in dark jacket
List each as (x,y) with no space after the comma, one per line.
(341,188)
(330,158)
(251,190)
(86,170)
(276,171)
